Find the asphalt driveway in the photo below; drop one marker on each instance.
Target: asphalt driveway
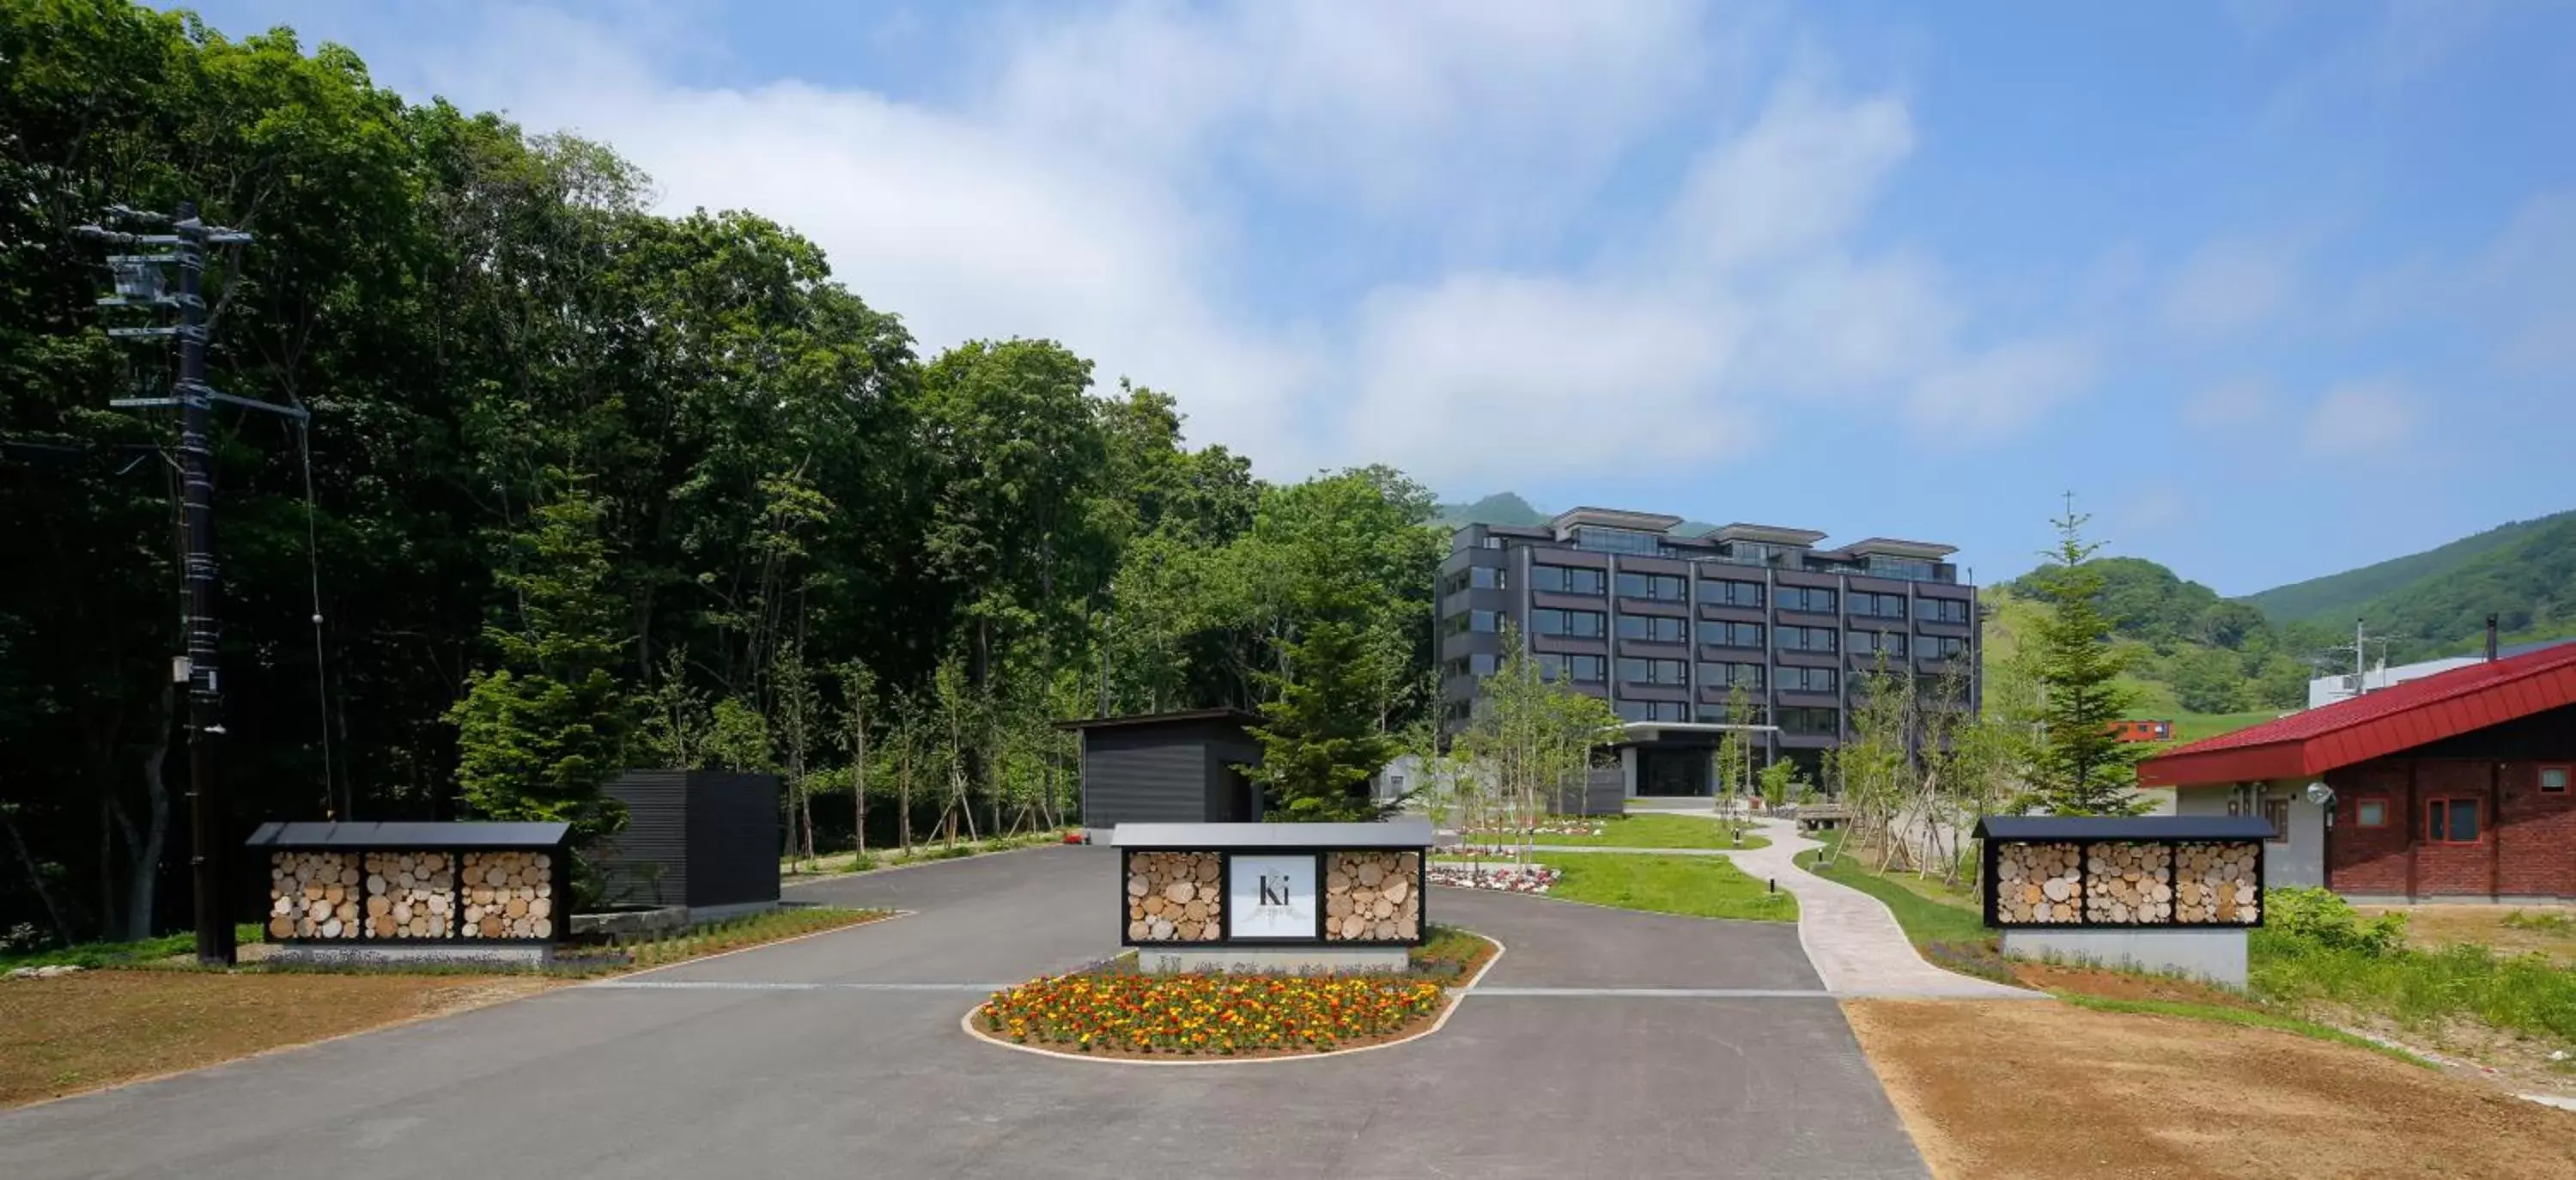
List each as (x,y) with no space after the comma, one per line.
(840,1056)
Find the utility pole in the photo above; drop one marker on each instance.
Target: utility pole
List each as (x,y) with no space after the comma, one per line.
(140,283)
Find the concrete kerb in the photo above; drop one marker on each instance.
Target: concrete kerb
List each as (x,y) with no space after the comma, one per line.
(1457,996)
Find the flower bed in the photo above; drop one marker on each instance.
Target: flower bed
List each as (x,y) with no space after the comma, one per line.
(1502,878)
(1132,1015)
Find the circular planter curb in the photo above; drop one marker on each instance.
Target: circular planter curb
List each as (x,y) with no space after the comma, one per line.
(1456,996)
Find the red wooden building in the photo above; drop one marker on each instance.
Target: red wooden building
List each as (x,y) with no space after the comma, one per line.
(2453,787)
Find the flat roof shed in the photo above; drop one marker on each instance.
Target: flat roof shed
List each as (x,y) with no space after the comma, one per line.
(1179,767)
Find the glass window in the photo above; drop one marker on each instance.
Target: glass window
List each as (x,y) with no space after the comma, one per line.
(1807,639)
(1912,569)
(1660,587)
(1811,720)
(1581,624)
(1806,598)
(1631,710)
(1943,647)
(1609,540)
(2276,812)
(1807,679)
(1878,606)
(2370,813)
(1589,669)
(1754,714)
(1731,634)
(1943,610)
(1870,642)
(2553,779)
(1731,593)
(2451,821)
(1652,628)
(1486,577)
(1715,675)
(1637,671)
(1561,579)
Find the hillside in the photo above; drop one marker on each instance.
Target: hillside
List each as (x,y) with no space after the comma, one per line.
(2337,599)
(2189,650)
(1499,508)
(2528,582)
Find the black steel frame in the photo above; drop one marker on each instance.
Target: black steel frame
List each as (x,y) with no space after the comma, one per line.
(1225,913)
(2083,850)
(559,878)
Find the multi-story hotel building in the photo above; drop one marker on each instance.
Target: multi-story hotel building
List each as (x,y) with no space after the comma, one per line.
(1665,626)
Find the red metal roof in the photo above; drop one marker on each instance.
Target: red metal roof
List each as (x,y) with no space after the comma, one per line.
(2374,724)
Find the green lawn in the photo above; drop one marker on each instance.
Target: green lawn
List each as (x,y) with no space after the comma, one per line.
(1698,886)
(2191,727)
(1928,912)
(123,954)
(1645,831)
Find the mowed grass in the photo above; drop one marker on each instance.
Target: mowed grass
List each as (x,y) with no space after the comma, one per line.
(1696,886)
(123,954)
(1642,831)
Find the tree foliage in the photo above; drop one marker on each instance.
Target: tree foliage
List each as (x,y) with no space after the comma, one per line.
(2081,768)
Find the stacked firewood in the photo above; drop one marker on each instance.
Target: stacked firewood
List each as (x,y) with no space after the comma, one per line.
(409,894)
(2038,883)
(313,895)
(508,895)
(1372,897)
(2215,883)
(2125,883)
(1174,897)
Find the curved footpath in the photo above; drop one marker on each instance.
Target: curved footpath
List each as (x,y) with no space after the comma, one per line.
(1850,937)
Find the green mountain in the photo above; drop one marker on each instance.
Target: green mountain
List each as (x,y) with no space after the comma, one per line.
(2436,602)
(2337,598)
(2187,647)
(1499,508)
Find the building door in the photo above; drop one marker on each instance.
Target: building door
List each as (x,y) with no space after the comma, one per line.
(1672,772)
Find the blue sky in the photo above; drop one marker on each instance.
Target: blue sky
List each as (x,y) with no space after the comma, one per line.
(2275,288)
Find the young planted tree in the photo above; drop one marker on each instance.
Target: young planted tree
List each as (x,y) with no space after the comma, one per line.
(800,708)
(1531,741)
(2080,767)
(1321,744)
(1874,763)
(541,732)
(858,693)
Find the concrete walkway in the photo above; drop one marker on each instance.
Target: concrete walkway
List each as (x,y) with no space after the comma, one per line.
(1851,938)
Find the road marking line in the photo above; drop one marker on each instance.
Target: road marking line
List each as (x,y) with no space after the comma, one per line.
(1657,993)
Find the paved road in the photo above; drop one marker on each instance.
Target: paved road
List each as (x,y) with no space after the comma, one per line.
(840,1056)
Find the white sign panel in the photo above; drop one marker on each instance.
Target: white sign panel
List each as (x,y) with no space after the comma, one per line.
(1271,896)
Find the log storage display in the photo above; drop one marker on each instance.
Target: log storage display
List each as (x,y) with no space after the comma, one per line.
(2218,883)
(1175,897)
(508,895)
(2124,871)
(1372,895)
(414,882)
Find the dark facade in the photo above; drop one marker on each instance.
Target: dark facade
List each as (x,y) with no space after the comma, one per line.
(1664,626)
(698,838)
(1168,768)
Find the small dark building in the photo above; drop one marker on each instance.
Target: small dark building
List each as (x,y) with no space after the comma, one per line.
(704,839)
(1168,768)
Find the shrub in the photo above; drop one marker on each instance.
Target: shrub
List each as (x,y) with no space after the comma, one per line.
(2320,916)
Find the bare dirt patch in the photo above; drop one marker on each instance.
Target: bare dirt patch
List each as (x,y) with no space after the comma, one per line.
(2004,1089)
(2121,985)
(2508,930)
(97,1028)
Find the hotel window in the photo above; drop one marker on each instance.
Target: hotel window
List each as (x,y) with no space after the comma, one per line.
(1810,720)
(1651,711)
(1943,647)
(1942,610)
(1653,629)
(1581,624)
(1806,680)
(1636,671)
(1486,577)
(1660,587)
(1807,639)
(2553,780)
(1731,676)
(1878,606)
(1911,569)
(1562,579)
(1807,598)
(1753,715)
(1608,540)
(1731,593)
(1872,642)
(2451,821)
(2370,813)
(1731,634)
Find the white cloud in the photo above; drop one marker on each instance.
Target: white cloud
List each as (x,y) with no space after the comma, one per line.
(2230,403)
(2360,418)
(2227,287)
(1994,393)
(1101,179)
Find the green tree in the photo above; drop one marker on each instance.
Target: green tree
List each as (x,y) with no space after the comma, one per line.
(541,733)
(2080,767)
(1321,739)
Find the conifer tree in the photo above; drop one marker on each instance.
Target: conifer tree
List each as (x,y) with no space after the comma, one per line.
(2081,769)
(1320,740)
